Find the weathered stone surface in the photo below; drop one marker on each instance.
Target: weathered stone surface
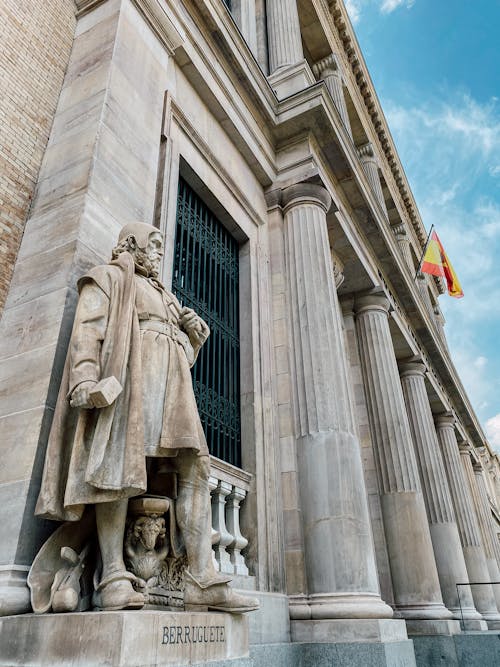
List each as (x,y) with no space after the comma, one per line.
(349,630)
(126,638)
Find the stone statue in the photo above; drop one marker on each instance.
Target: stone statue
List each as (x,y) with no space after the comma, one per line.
(127,395)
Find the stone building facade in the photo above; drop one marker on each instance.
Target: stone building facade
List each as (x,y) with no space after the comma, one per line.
(356,489)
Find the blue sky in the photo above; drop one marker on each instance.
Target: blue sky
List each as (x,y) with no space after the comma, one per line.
(436,68)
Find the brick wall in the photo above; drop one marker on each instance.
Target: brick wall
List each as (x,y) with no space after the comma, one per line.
(35,44)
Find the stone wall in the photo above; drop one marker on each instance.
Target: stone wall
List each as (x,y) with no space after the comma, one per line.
(34,52)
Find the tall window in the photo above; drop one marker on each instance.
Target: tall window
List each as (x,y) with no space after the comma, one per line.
(205,278)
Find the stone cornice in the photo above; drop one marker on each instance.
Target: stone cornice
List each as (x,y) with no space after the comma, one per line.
(363,80)
(84,6)
(162,22)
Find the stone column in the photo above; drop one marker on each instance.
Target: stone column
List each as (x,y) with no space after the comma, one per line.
(339,554)
(415,580)
(283,30)
(486,528)
(443,526)
(369,163)
(404,245)
(329,70)
(440,322)
(458,479)
(243,12)
(424,291)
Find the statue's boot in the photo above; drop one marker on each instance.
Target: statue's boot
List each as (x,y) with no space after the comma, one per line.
(116,592)
(215,594)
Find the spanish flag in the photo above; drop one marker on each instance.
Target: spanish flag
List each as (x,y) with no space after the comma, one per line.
(436,262)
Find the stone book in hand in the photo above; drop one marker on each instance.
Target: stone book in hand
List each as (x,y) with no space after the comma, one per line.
(105,392)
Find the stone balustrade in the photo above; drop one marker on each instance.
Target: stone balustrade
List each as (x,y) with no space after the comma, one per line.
(228,488)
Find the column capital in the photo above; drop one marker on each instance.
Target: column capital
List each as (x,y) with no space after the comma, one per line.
(465,449)
(445,420)
(306,193)
(400,230)
(366,152)
(412,367)
(477,467)
(376,301)
(328,65)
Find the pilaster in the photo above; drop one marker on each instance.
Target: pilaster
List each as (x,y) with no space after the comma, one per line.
(443,527)
(339,554)
(99,171)
(414,575)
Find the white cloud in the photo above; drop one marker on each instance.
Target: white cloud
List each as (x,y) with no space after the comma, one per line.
(389,6)
(450,148)
(354,10)
(356,7)
(480,362)
(493,432)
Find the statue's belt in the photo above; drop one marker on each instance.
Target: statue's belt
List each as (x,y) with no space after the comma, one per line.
(167,329)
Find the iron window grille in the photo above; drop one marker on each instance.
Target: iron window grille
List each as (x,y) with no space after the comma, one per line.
(206,278)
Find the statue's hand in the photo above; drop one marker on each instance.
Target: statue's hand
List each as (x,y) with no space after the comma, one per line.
(80,396)
(194,326)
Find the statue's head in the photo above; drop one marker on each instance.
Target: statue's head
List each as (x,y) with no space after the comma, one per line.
(145,244)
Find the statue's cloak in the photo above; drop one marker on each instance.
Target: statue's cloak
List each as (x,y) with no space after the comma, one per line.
(88,460)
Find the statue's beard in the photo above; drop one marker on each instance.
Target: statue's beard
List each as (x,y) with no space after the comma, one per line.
(146,265)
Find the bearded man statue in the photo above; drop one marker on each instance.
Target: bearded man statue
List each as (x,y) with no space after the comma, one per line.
(130,329)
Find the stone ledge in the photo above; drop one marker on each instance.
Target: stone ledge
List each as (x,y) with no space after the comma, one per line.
(124,638)
(444,627)
(349,630)
(369,654)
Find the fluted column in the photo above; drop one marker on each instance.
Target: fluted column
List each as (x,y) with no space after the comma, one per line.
(329,70)
(339,553)
(404,245)
(486,528)
(424,291)
(460,478)
(440,321)
(414,575)
(444,531)
(283,30)
(369,163)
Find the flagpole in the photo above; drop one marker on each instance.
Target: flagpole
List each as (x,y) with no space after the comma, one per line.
(423,252)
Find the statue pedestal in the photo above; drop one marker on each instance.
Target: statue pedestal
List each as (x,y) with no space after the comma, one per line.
(124,638)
